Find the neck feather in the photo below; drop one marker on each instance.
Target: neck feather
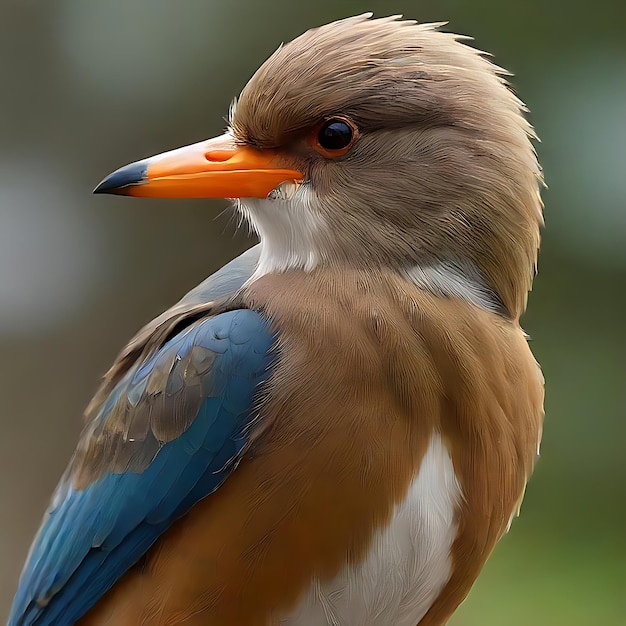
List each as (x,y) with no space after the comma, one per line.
(289,232)
(294,235)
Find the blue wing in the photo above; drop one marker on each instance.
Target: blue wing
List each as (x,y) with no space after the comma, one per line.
(169,434)
(226,280)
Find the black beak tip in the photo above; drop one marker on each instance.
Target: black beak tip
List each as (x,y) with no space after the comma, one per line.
(119,182)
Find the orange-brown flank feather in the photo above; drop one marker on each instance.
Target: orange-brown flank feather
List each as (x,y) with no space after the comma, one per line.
(369,367)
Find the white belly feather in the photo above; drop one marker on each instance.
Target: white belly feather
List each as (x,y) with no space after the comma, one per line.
(408,563)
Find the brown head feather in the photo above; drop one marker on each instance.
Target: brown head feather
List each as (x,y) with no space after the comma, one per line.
(443,169)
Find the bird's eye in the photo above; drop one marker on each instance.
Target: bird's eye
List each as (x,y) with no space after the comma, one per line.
(334,137)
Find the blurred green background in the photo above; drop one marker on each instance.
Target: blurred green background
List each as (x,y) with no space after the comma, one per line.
(89,85)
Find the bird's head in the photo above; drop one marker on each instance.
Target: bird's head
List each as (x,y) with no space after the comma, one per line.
(369,143)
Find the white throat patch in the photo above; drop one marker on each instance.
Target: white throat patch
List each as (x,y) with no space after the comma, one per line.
(289,226)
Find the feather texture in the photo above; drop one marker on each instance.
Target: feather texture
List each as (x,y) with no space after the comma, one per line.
(391,278)
(368,367)
(171,432)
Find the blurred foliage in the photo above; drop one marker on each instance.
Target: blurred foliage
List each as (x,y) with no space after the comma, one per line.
(87,86)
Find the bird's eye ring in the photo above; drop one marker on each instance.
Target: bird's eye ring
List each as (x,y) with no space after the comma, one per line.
(334,137)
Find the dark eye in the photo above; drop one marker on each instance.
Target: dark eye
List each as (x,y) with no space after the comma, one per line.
(334,137)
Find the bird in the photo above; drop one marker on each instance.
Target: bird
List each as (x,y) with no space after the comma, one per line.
(337,426)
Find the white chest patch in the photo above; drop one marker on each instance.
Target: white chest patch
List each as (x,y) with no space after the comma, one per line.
(407,565)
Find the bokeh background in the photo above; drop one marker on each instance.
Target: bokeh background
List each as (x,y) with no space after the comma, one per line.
(86,86)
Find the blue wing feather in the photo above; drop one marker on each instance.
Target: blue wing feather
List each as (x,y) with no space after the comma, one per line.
(90,537)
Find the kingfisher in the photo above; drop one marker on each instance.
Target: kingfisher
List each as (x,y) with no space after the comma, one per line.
(337,426)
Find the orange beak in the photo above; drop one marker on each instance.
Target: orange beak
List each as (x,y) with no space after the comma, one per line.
(216,168)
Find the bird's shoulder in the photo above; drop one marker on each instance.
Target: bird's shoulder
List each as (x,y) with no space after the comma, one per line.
(170,429)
